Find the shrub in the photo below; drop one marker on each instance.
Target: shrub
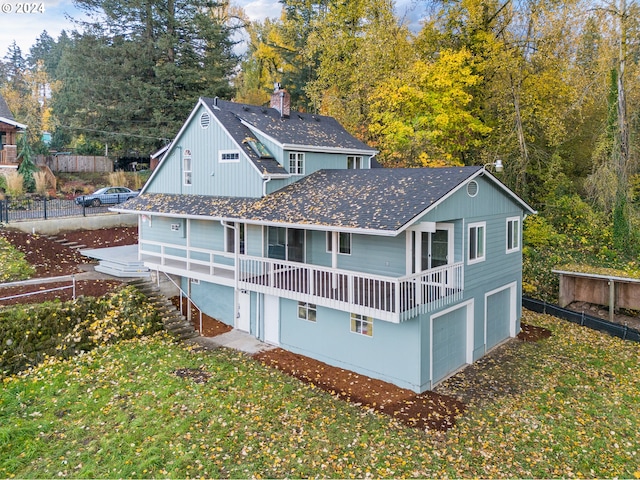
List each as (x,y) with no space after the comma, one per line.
(13,265)
(117,178)
(15,183)
(31,334)
(41,181)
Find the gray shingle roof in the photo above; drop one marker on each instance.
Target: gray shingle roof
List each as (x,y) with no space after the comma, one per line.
(298,129)
(240,133)
(378,199)
(4,110)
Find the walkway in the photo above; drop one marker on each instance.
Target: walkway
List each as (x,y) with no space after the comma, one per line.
(235,339)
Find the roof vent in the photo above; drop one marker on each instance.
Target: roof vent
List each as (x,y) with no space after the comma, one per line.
(205,120)
(472,188)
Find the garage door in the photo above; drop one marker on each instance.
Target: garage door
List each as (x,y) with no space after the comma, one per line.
(449,343)
(498,317)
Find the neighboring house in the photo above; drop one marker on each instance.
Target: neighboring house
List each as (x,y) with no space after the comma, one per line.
(274,223)
(9,129)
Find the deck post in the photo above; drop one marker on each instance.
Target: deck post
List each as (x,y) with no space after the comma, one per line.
(612,300)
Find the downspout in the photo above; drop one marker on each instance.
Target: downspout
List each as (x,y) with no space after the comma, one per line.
(235,270)
(264,186)
(236,247)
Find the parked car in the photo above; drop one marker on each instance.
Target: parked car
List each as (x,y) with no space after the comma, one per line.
(106,196)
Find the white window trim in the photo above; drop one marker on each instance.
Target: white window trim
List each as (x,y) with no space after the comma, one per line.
(300,159)
(187,175)
(329,240)
(307,308)
(362,318)
(482,258)
(230,231)
(358,162)
(221,153)
(516,236)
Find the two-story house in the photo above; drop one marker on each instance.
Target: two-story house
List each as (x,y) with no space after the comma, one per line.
(9,130)
(276,224)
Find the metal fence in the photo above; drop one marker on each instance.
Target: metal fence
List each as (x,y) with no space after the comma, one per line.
(33,208)
(589,321)
(71,286)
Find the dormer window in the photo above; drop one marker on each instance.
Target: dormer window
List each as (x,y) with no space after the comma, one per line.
(354,163)
(296,163)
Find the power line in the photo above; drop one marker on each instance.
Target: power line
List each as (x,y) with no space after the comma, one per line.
(113,133)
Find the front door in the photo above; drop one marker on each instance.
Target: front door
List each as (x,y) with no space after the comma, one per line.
(244,309)
(272,319)
(432,249)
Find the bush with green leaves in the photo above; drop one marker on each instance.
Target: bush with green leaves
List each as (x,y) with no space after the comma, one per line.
(32,333)
(13,265)
(569,232)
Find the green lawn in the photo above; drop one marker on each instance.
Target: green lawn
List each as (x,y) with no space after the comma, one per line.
(121,411)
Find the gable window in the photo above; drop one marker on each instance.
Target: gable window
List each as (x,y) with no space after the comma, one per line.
(477,241)
(344,243)
(296,163)
(228,156)
(513,234)
(307,311)
(362,325)
(186,169)
(354,162)
(229,237)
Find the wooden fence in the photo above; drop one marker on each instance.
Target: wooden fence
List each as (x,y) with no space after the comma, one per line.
(75,163)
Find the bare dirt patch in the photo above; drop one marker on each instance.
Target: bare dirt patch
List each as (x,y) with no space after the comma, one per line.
(434,410)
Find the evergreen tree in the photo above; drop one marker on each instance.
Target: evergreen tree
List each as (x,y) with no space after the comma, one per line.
(149,62)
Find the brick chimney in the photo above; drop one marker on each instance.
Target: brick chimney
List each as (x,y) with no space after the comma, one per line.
(281,101)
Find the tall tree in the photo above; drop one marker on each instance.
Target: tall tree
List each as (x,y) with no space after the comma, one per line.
(358,44)
(150,61)
(423,117)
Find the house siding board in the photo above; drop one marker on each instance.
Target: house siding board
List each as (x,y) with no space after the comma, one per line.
(490,200)
(330,340)
(160,230)
(207,234)
(209,176)
(375,255)
(253,242)
(217,301)
(369,254)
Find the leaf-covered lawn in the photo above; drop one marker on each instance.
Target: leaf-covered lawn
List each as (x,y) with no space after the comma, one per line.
(129,410)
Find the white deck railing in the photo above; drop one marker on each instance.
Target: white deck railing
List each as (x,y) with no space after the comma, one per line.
(392,299)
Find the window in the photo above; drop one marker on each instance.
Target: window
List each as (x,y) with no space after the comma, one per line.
(513,234)
(296,163)
(307,311)
(186,169)
(229,237)
(227,156)
(286,244)
(362,325)
(344,241)
(354,162)
(476,242)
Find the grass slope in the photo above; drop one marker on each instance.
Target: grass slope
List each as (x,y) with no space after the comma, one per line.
(151,408)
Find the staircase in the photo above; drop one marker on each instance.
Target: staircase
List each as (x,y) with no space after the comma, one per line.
(174,322)
(64,242)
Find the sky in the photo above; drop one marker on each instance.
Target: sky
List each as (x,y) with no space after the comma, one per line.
(53,16)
